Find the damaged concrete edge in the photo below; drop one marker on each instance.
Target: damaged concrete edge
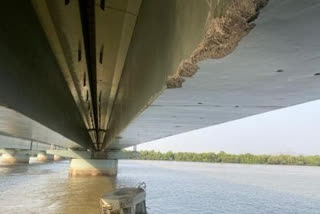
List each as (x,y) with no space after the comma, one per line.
(222,36)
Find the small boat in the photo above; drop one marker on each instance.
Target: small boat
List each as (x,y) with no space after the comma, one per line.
(130,200)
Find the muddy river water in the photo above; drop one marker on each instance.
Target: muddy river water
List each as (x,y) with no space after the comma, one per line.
(172,187)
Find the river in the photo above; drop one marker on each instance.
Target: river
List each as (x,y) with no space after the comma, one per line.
(172,187)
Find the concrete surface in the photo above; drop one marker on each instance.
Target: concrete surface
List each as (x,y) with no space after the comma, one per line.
(90,167)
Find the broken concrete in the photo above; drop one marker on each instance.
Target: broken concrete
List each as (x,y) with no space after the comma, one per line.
(222,37)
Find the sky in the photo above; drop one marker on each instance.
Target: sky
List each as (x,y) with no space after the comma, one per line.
(293,130)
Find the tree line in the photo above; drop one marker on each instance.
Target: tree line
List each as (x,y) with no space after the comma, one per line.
(223,157)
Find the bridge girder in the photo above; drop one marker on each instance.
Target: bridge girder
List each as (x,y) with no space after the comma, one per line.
(86,69)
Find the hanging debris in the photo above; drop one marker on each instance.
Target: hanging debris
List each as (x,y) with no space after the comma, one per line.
(221,38)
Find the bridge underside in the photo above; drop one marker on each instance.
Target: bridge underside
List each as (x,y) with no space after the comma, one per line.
(275,66)
(84,74)
(85,69)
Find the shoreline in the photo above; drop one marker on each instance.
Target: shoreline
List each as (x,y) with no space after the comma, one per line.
(222,157)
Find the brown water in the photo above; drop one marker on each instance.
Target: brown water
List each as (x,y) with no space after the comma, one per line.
(172,187)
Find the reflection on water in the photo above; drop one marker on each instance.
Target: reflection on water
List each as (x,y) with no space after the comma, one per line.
(47,188)
(171,188)
(85,191)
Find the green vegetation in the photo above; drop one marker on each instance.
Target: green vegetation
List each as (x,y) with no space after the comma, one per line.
(223,157)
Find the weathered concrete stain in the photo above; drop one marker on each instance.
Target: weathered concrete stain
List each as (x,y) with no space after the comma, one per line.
(90,167)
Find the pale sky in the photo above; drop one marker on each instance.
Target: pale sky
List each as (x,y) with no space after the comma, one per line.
(292,130)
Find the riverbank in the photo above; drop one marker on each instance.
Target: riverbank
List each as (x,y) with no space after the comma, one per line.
(223,157)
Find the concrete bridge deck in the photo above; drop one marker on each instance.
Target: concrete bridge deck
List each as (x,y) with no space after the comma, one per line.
(275,66)
(87,74)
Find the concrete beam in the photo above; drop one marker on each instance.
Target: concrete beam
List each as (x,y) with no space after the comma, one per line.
(11,151)
(53,108)
(78,154)
(71,154)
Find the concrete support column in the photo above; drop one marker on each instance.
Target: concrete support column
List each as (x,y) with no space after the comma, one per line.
(93,167)
(57,158)
(14,157)
(44,157)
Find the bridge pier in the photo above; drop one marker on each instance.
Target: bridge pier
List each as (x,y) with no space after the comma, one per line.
(43,157)
(93,167)
(57,158)
(88,163)
(12,156)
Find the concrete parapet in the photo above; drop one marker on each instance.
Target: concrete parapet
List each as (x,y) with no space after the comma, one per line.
(93,167)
